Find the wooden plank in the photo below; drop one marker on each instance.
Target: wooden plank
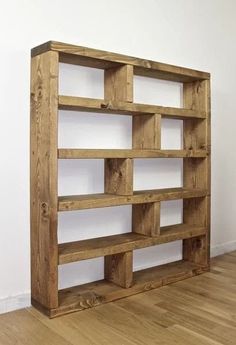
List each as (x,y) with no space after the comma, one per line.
(119,176)
(141,66)
(118,269)
(100,292)
(146,219)
(43,180)
(110,245)
(79,202)
(146,132)
(118,84)
(126,153)
(197,172)
(125,108)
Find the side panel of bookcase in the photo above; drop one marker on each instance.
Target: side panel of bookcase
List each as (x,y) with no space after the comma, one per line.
(197,171)
(43,179)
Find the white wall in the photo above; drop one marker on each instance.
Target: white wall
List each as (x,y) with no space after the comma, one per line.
(195,34)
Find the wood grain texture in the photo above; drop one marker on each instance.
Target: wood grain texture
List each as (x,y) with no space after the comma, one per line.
(199,310)
(119,176)
(125,108)
(196,173)
(119,281)
(43,181)
(146,219)
(118,269)
(126,153)
(108,245)
(146,133)
(141,66)
(100,292)
(79,202)
(118,84)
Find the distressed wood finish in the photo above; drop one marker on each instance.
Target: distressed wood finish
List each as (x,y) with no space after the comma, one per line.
(125,108)
(74,54)
(147,132)
(146,219)
(116,153)
(108,245)
(80,202)
(197,172)
(205,317)
(119,176)
(119,279)
(100,292)
(118,86)
(119,269)
(43,182)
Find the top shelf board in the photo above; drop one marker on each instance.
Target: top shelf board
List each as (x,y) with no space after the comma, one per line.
(83,56)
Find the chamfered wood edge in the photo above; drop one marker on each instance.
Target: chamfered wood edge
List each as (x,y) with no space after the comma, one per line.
(88,295)
(142,66)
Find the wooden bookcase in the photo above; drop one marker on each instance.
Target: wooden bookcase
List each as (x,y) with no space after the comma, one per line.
(119,278)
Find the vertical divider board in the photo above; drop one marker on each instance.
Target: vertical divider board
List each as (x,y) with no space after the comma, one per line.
(196,172)
(119,279)
(43,179)
(118,86)
(146,134)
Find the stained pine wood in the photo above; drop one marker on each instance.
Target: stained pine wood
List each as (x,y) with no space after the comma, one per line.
(125,108)
(119,176)
(135,153)
(118,269)
(102,59)
(205,317)
(108,245)
(119,280)
(99,292)
(43,181)
(79,202)
(118,173)
(197,172)
(146,219)
(146,132)
(118,84)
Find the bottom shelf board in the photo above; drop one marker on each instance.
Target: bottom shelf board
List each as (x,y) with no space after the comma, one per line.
(96,293)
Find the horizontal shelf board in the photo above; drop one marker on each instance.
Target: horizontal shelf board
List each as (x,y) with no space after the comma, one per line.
(125,108)
(108,245)
(79,202)
(84,56)
(117,153)
(100,292)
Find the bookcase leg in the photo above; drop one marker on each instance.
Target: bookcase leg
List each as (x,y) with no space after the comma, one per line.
(43,180)
(196,172)
(119,269)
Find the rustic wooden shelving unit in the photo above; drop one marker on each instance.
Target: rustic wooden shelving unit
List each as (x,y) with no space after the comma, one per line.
(119,278)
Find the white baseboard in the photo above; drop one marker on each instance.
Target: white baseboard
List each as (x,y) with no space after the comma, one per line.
(223,248)
(14,302)
(23,301)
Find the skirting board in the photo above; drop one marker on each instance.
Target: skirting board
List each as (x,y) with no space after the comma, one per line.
(23,301)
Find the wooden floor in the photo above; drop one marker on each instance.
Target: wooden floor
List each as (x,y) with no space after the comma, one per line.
(199,310)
